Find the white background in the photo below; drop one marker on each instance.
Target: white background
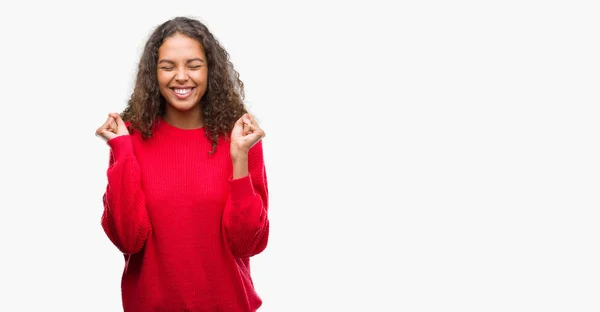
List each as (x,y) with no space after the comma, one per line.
(432,156)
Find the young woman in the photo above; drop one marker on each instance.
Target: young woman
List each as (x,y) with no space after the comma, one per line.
(186,201)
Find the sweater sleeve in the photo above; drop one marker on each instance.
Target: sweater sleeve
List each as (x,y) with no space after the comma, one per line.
(245,216)
(125,219)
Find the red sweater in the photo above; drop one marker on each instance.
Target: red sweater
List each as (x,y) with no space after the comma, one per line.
(185,227)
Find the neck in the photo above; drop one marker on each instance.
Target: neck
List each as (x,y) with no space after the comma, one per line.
(190,119)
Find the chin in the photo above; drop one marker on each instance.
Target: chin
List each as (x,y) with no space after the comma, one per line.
(183,107)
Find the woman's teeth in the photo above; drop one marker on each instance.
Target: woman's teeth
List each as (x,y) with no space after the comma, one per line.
(182,91)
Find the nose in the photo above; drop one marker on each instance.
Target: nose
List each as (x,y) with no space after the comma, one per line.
(181,76)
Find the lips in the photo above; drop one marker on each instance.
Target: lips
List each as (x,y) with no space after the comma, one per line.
(182,93)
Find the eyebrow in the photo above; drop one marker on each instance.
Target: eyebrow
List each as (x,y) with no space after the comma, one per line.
(188,61)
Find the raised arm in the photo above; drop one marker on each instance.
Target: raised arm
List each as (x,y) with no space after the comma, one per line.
(125,219)
(245,219)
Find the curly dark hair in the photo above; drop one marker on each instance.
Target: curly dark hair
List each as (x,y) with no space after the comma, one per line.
(222,103)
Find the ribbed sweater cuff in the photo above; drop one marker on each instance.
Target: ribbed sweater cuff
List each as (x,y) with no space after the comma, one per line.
(241,188)
(121,146)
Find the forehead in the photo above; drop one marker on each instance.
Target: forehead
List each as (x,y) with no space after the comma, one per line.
(180,46)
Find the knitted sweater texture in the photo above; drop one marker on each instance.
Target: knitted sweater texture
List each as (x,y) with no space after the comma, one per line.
(187,229)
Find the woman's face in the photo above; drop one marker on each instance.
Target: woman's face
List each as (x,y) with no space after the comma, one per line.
(182,72)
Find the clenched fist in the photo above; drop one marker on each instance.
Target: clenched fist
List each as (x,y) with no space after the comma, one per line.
(244,135)
(112,128)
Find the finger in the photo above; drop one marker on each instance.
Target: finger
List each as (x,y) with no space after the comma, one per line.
(257,130)
(112,126)
(240,121)
(238,128)
(120,128)
(255,127)
(247,129)
(119,121)
(105,134)
(106,125)
(252,127)
(252,119)
(239,124)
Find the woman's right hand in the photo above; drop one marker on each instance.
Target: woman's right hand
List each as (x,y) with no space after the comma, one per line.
(112,128)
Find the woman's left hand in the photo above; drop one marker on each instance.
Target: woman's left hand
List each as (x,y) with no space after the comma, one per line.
(244,135)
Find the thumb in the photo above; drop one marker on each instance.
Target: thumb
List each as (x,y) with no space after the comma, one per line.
(238,127)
